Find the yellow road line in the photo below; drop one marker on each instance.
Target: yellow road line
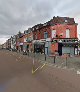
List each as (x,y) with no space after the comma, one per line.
(33,71)
(40,67)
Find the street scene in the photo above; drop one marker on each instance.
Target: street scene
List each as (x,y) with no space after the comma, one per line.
(39,46)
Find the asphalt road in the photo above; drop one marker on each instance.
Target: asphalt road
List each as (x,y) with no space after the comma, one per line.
(16,76)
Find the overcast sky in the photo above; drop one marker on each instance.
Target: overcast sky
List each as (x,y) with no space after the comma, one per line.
(18,15)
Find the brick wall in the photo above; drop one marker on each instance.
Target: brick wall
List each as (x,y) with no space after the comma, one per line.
(61,28)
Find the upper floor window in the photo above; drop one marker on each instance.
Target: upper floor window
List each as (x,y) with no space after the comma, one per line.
(25,32)
(66,21)
(53,33)
(67,33)
(45,35)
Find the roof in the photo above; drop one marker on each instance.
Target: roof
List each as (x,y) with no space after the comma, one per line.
(62,20)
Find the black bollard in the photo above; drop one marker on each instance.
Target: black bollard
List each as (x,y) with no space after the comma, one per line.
(45,57)
(54,59)
(66,60)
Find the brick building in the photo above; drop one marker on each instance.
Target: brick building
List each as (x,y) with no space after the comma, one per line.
(28,38)
(59,35)
(38,41)
(19,41)
(64,35)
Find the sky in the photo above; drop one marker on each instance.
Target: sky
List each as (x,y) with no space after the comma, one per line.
(18,15)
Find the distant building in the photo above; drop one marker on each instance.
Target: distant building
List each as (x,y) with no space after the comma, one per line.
(8,44)
(19,41)
(3,46)
(13,42)
(28,38)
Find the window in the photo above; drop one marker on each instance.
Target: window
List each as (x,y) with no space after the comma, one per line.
(45,35)
(66,21)
(25,32)
(53,33)
(36,36)
(67,33)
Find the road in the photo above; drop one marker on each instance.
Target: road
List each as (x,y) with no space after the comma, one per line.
(16,76)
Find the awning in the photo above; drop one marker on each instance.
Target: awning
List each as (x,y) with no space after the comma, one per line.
(21,44)
(69,43)
(39,41)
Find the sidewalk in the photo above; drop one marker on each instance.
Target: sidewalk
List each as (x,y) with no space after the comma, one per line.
(72,62)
